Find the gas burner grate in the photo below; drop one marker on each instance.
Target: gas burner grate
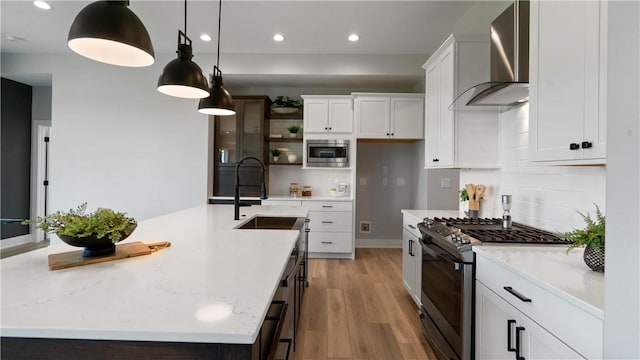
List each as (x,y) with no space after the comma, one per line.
(490,230)
(468,221)
(516,236)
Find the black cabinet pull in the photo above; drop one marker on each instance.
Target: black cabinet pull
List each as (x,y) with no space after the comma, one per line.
(518,329)
(436,160)
(586,145)
(387,134)
(326,128)
(574,146)
(509,347)
(392,134)
(412,226)
(330,128)
(411,247)
(517,294)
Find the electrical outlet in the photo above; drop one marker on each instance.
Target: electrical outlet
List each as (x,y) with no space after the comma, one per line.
(365,226)
(445,183)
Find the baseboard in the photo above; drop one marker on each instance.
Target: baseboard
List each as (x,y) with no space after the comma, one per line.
(379,243)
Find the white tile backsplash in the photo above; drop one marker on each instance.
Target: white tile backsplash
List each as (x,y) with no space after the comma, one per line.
(321,180)
(543,196)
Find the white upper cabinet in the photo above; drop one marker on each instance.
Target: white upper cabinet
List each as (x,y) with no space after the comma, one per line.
(389,116)
(328,114)
(567,122)
(465,139)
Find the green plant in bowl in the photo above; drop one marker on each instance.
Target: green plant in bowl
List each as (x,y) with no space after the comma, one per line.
(293,128)
(276,152)
(592,236)
(286,102)
(98,231)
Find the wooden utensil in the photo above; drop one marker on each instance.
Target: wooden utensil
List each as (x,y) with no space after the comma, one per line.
(480,189)
(123,251)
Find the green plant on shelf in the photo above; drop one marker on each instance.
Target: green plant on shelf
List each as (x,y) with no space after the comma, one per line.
(276,152)
(286,102)
(293,128)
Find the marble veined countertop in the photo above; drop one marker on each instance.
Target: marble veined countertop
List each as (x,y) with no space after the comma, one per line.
(214,284)
(551,267)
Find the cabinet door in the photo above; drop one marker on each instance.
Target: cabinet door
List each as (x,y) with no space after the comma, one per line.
(253,129)
(564,79)
(439,119)
(372,117)
(316,115)
(495,323)
(407,118)
(341,115)
(446,139)
(408,262)
(432,118)
(417,258)
(538,343)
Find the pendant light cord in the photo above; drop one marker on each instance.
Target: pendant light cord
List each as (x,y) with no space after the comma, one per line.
(219,20)
(185,18)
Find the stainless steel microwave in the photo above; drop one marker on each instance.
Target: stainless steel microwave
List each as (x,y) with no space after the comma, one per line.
(328,153)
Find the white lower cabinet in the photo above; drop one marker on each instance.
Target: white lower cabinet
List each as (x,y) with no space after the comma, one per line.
(411,259)
(503,332)
(516,315)
(331,225)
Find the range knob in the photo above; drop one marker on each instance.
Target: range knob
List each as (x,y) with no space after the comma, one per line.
(428,223)
(464,239)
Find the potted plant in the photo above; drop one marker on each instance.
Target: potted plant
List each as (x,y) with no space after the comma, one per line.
(285,105)
(293,129)
(592,237)
(98,231)
(276,153)
(473,194)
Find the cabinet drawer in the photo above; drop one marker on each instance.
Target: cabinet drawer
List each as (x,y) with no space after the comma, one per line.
(411,225)
(330,242)
(328,205)
(336,221)
(544,308)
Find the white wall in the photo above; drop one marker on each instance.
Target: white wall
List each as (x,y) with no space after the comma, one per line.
(622,275)
(116,141)
(543,196)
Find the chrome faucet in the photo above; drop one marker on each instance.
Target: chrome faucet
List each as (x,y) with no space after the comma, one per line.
(236,197)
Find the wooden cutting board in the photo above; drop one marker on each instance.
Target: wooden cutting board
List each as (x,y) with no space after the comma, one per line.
(123,251)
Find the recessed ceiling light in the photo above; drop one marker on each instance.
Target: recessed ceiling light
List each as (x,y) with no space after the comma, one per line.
(13,38)
(278,37)
(42,5)
(354,37)
(205,37)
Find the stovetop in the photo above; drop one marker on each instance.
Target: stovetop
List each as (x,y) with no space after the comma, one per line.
(459,234)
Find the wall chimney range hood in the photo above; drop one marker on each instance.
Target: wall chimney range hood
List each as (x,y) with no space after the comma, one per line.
(509,84)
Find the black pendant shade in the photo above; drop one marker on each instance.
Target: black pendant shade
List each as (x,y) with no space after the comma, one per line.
(182,77)
(219,101)
(109,32)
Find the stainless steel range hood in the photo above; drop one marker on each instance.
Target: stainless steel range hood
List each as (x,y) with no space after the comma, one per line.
(509,85)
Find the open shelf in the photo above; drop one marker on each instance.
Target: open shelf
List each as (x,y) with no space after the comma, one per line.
(285,140)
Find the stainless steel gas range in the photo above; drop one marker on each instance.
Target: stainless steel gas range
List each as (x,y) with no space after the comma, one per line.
(448,272)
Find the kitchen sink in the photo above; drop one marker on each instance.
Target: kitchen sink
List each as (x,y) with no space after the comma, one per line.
(272,223)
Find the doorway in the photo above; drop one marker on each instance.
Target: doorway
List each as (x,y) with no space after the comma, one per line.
(25,135)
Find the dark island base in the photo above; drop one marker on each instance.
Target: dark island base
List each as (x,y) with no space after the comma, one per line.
(70,349)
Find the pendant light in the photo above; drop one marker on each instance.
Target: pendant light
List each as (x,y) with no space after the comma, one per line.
(182,77)
(107,31)
(219,101)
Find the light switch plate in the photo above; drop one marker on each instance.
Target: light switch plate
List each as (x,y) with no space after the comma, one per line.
(445,183)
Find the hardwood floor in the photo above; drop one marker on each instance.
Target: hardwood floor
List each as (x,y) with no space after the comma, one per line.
(358,309)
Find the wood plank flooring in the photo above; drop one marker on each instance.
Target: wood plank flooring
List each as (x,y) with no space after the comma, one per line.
(358,309)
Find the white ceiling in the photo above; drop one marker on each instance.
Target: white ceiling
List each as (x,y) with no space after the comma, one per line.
(310,27)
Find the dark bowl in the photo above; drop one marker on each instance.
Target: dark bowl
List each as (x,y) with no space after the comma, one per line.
(95,246)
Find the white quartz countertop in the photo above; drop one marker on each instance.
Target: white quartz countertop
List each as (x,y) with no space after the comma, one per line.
(421,214)
(214,284)
(310,198)
(551,267)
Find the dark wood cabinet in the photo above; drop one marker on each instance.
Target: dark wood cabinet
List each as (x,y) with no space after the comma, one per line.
(238,136)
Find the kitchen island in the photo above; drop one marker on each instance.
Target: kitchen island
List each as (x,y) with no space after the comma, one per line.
(214,285)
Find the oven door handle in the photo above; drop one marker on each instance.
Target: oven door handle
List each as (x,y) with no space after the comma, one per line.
(433,250)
